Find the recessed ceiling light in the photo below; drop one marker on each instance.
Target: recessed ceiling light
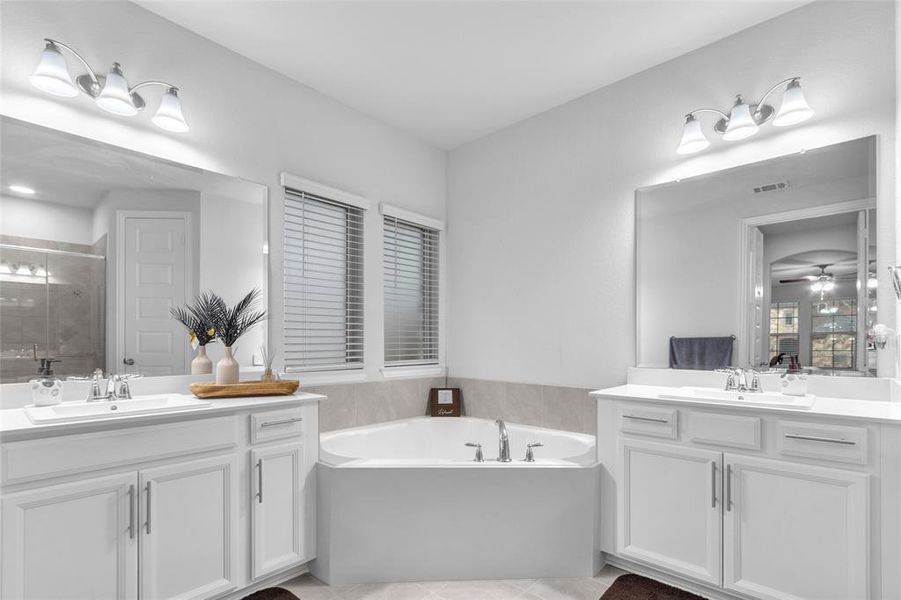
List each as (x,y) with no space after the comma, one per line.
(22,189)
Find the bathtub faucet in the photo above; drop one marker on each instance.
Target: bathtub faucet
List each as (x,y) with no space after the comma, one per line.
(503,442)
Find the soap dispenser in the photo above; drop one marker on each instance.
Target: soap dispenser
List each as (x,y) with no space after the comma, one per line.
(46,390)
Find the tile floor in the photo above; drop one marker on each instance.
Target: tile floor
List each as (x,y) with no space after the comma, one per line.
(307,587)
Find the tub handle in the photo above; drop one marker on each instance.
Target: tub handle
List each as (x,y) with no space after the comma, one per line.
(478,447)
(530,456)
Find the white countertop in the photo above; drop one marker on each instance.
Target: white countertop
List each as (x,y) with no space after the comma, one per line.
(845,408)
(15,424)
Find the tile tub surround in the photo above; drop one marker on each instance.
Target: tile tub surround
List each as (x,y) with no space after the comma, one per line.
(555,407)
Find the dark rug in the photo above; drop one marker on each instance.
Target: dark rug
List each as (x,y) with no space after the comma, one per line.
(636,587)
(273,593)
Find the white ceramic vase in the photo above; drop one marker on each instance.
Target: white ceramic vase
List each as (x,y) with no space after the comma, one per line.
(201,364)
(227,368)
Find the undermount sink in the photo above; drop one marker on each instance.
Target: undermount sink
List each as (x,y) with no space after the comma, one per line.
(764,399)
(68,412)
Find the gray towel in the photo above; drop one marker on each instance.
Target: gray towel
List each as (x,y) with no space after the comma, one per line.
(700,353)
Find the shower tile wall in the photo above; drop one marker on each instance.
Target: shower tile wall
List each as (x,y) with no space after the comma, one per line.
(353,405)
(72,330)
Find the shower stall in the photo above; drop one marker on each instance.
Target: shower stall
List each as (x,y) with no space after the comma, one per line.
(52,303)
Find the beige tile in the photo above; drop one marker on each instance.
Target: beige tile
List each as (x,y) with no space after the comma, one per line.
(608,574)
(409,397)
(485,399)
(564,408)
(386,591)
(582,588)
(339,411)
(373,403)
(483,590)
(522,404)
(590,422)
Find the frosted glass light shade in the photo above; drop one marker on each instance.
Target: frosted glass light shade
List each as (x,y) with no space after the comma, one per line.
(52,75)
(693,138)
(169,116)
(741,123)
(794,108)
(114,96)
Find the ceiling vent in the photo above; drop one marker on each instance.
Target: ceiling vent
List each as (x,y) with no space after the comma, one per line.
(771,187)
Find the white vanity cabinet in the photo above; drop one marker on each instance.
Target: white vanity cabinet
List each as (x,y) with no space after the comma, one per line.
(740,504)
(192,509)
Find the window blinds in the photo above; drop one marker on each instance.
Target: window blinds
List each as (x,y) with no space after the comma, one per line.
(411,293)
(323,283)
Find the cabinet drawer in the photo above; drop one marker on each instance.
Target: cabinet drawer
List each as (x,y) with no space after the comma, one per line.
(657,422)
(718,429)
(827,442)
(276,424)
(29,460)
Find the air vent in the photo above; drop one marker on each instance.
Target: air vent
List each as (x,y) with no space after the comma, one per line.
(771,187)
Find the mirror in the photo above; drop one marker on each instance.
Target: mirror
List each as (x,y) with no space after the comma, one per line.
(98,242)
(782,254)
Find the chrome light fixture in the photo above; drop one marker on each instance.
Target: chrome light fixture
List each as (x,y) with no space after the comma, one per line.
(744,120)
(110,92)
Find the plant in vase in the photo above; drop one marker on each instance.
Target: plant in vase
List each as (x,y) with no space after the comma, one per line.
(196,319)
(230,324)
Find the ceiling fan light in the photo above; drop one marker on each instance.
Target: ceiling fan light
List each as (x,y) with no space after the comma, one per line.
(693,138)
(872,283)
(169,116)
(828,286)
(52,74)
(741,124)
(794,108)
(115,97)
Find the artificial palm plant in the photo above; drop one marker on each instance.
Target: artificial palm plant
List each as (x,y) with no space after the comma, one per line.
(197,320)
(230,323)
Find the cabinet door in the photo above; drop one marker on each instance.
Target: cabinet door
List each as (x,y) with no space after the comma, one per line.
(76,540)
(795,531)
(188,535)
(278,507)
(670,508)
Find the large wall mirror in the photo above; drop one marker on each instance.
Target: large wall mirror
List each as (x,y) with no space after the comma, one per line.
(784,255)
(98,242)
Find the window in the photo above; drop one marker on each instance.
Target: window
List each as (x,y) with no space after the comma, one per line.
(323,283)
(783,328)
(833,333)
(411,293)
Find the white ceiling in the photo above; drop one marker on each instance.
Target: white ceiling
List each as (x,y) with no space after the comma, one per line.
(450,72)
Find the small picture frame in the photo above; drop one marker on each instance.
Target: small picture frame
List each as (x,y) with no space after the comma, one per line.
(445,402)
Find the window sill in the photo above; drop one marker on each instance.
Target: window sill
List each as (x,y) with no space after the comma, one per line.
(418,371)
(314,378)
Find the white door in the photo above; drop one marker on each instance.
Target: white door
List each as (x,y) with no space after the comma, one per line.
(278,508)
(71,541)
(670,508)
(795,532)
(154,278)
(188,535)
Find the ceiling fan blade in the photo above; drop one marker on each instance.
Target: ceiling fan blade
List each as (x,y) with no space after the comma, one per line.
(802,280)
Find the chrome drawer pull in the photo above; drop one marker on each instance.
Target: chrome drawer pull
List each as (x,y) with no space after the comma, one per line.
(648,419)
(131,511)
(281,422)
(814,438)
(147,523)
(728,488)
(713,485)
(260,481)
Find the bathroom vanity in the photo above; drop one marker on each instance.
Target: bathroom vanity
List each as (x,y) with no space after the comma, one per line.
(211,502)
(744,502)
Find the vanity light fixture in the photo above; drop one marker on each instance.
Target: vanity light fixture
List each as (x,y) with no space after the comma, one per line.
(110,92)
(744,119)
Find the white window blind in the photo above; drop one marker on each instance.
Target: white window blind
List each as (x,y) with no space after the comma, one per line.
(323,283)
(411,293)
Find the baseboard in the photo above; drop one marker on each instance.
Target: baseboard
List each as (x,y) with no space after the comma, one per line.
(701,589)
(268,581)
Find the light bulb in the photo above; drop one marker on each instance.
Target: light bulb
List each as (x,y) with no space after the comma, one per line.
(52,74)
(741,124)
(693,138)
(169,116)
(872,283)
(114,97)
(794,108)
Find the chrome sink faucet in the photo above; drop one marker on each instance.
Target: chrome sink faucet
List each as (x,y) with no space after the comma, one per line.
(503,442)
(116,387)
(737,380)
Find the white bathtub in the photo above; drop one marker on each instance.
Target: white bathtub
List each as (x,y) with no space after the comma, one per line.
(404,501)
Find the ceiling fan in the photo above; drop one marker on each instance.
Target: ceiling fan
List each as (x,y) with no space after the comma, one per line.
(822,276)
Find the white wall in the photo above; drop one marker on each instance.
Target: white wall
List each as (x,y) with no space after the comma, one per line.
(45,220)
(245,120)
(541,214)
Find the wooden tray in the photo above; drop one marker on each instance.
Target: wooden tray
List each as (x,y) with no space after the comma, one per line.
(282,387)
